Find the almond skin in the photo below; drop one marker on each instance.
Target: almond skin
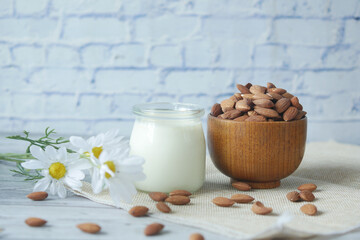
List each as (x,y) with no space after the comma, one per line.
(262,96)
(247,96)
(138,211)
(256,118)
(295,102)
(260,209)
(242,198)
(153,229)
(290,114)
(178,200)
(282,105)
(37,196)
(232,114)
(251,113)
(277,90)
(242,118)
(180,193)
(162,207)
(243,105)
(227,105)
(275,95)
(248,85)
(196,236)
(307,196)
(293,196)
(242,89)
(267,112)
(307,187)
(309,209)
(265,103)
(257,89)
(89,227)
(216,110)
(35,222)
(158,196)
(241,186)
(236,97)
(287,95)
(223,202)
(270,85)
(300,115)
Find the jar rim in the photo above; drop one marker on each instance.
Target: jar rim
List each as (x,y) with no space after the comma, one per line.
(168,110)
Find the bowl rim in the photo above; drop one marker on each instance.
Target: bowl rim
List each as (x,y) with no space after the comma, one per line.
(243,122)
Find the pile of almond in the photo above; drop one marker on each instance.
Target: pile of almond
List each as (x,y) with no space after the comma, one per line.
(256,103)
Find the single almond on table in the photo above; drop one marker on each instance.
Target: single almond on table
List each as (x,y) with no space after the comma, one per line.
(293,196)
(162,207)
(290,114)
(180,193)
(158,196)
(257,89)
(178,200)
(277,90)
(262,96)
(138,211)
(35,222)
(267,112)
(270,85)
(260,209)
(242,198)
(243,105)
(256,118)
(223,202)
(232,114)
(307,196)
(196,236)
(242,89)
(282,105)
(37,196)
(307,187)
(89,227)
(216,110)
(300,115)
(241,119)
(287,95)
(227,105)
(241,186)
(265,103)
(309,209)
(153,229)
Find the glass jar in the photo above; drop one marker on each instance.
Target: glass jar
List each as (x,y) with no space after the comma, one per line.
(170,137)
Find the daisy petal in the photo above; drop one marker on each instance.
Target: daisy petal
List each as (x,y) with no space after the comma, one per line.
(80,164)
(38,153)
(42,184)
(73,183)
(53,188)
(61,190)
(79,142)
(97,182)
(51,152)
(77,174)
(33,164)
(62,154)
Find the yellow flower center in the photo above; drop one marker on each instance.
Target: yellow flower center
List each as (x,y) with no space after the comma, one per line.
(111,166)
(57,170)
(97,151)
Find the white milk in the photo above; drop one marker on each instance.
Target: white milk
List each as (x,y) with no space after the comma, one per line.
(174,151)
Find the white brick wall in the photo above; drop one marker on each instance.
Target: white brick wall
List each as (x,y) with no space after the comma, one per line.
(79,66)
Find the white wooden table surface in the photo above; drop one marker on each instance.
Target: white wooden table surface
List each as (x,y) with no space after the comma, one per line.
(64,214)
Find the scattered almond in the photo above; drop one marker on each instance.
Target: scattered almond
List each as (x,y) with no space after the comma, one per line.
(223,202)
(242,198)
(178,200)
(307,196)
(309,209)
(290,114)
(260,209)
(162,207)
(138,211)
(256,118)
(282,105)
(37,196)
(227,105)
(293,196)
(153,229)
(180,193)
(241,186)
(257,89)
(242,89)
(89,227)
(35,222)
(267,112)
(158,196)
(265,103)
(216,110)
(196,236)
(307,187)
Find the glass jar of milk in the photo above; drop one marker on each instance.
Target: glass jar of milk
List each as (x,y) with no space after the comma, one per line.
(170,137)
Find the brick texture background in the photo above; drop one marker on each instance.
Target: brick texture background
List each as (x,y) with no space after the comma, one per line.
(79,66)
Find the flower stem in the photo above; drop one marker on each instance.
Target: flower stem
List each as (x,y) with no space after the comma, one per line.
(15,157)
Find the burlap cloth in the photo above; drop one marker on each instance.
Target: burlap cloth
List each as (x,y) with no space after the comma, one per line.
(333,167)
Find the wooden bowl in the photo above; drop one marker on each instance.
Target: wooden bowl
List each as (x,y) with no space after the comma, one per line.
(258,153)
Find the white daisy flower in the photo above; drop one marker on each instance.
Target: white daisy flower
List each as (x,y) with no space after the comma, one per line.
(117,172)
(58,168)
(94,146)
